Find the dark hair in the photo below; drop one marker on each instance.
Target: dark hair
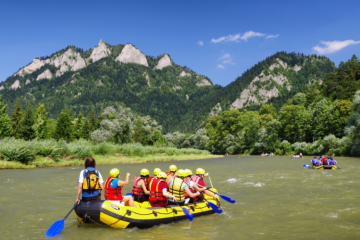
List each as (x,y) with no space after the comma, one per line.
(90,162)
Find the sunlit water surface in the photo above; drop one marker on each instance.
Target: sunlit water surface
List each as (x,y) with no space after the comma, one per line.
(276,199)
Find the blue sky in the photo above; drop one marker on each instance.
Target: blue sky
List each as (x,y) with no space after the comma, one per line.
(219,39)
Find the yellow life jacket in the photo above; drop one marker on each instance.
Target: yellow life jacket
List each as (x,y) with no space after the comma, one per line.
(176,189)
(91,180)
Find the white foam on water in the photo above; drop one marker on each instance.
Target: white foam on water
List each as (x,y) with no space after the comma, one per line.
(259,184)
(247,183)
(303,181)
(231,180)
(332,215)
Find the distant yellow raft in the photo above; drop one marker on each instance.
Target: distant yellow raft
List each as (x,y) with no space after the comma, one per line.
(117,216)
(333,167)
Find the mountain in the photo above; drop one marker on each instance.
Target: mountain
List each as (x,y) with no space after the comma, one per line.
(177,97)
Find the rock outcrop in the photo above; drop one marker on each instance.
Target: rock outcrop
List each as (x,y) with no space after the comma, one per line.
(32,67)
(277,65)
(27,82)
(247,96)
(2,88)
(203,82)
(176,88)
(297,68)
(131,54)
(216,110)
(185,74)
(15,85)
(32,95)
(147,79)
(69,60)
(187,97)
(46,74)
(164,62)
(99,52)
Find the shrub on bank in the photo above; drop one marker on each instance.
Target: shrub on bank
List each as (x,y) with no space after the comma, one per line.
(12,149)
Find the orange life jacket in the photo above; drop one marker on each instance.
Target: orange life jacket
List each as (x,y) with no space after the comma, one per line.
(156,194)
(138,190)
(112,193)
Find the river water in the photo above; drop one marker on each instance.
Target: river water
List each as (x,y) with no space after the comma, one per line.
(276,199)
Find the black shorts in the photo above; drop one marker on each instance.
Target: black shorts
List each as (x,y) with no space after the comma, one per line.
(141,198)
(86,199)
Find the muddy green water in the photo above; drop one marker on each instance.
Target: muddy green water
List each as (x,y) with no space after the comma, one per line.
(276,199)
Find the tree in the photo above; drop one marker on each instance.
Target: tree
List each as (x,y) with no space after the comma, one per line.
(92,121)
(85,129)
(16,118)
(41,123)
(26,130)
(64,126)
(78,126)
(339,116)
(5,122)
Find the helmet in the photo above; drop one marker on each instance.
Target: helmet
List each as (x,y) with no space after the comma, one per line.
(200,171)
(181,173)
(161,175)
(188,172)
(114,172)
(144,172)
(172,168)
(156,171)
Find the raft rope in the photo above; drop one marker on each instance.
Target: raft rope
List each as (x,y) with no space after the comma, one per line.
(103,225)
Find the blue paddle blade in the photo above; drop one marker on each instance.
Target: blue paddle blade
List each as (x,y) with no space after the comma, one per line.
(188,215)
(226,198)
(304,165)
(55,229)
(129,194)
(338,165)
(214,207)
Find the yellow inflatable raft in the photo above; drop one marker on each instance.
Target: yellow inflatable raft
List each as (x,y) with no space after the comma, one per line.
(333,167)
(118,216)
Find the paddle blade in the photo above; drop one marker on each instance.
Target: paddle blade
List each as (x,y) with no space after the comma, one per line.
(215,208)
(129,194)
(55,229)
(226,198)
(304,165)
(338,166)
(188,215)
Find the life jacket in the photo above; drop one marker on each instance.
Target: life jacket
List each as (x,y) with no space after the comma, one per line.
(91,180)
(193,190)
(195,179)
(150,180)
(156,194)
(333,162)
(112,193)
(138,190)
(176,189)
(326,162)
(315,162)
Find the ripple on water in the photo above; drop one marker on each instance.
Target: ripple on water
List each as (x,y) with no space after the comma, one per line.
(249,183)
(231,180)
(332,215)
(259,184)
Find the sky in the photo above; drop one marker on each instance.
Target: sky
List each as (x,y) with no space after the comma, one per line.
(218,39)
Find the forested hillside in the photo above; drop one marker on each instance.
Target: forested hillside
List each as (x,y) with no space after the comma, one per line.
(173,95)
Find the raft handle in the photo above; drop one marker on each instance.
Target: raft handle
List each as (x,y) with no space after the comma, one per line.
(155,213)
(128,212)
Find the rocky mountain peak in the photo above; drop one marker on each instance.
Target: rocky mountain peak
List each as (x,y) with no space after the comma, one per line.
(99,52)
(164,62)
(131,54)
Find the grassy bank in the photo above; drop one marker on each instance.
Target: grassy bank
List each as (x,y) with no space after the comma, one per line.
(41,162)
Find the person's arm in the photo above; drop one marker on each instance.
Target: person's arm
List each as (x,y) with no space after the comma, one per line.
(142,184)
(168,195)
(168,180)
(207,174)
(199,189)
(124,183)
(190,194)
(101,187)
(210,194)
(78,193)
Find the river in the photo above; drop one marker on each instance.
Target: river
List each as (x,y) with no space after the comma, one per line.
(276,199)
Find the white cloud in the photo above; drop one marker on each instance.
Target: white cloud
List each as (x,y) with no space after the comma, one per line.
(230,38)
(334,46)
(226,59)
(226,55)
(200,43)
(251,34)
(220,66)
(271,36)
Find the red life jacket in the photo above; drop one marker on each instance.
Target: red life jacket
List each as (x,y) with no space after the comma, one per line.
(195,179)
(156,194)
(193,190)
(112,193)
(138,190)
(150,179)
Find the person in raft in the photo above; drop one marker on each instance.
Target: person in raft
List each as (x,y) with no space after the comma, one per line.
(326,161)
(156,171)
(333,161)
(316,162)
(113,187)
(198,179)
(171,173)
(159,191)
(193,187)
(178,188)
(90,182)
(140,186)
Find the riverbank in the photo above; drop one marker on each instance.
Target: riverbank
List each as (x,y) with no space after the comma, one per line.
(41,162)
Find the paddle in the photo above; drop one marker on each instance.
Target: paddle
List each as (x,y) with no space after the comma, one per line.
(57,226)
(214,207)
(226,198)
(188,215)
(129,194)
